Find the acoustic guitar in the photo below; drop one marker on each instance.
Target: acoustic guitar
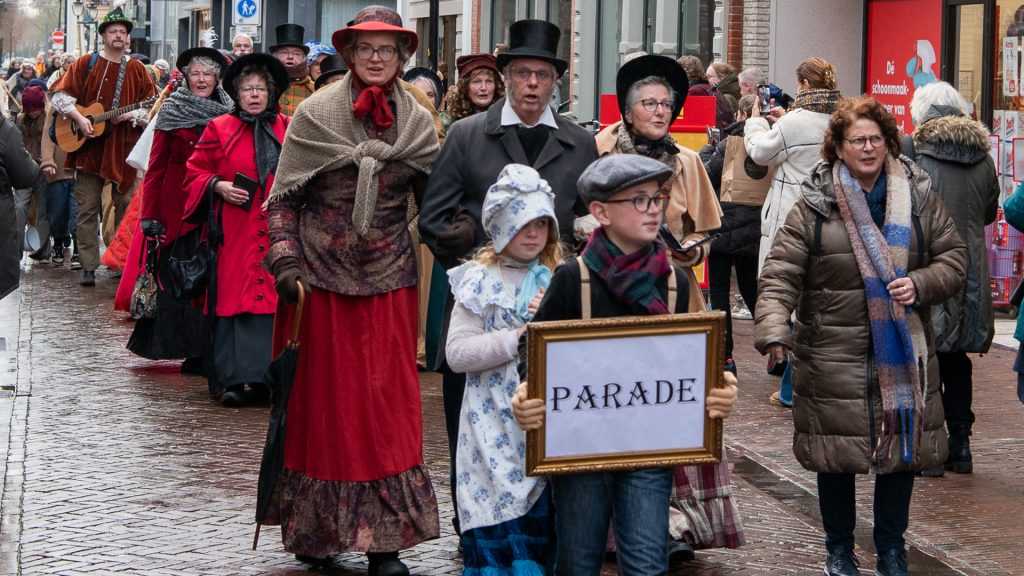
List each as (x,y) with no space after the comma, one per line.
(70,138)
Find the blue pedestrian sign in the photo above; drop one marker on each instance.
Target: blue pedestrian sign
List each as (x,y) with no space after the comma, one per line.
(246,12)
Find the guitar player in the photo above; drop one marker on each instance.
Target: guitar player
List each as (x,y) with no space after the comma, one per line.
(114,80)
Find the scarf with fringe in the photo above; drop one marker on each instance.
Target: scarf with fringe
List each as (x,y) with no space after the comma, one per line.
(897,335)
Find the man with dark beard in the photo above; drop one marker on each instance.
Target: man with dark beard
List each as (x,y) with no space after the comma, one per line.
(291,52)
(113,79)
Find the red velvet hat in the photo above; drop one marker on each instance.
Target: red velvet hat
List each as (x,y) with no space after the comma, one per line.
(373,19)
(469,62)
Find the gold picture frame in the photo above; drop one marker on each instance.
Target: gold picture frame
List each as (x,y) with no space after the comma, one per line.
(607,429)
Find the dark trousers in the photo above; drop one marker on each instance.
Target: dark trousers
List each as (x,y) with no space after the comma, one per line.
(453,387)
(720,265)
(62,208)
(955,371)
(837,499)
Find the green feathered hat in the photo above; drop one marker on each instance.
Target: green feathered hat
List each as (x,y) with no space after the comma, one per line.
(115,16)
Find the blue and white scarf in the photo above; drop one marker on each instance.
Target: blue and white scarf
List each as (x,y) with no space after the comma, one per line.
(897,334)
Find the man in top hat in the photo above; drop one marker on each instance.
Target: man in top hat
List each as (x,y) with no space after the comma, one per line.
(291,51)
(520,128)
(114,80)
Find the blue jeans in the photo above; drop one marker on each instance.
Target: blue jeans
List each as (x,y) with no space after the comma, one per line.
(584,505)
(63,209)
(786,390)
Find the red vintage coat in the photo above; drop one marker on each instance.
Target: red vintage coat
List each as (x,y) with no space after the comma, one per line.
(165,196)
(226,148)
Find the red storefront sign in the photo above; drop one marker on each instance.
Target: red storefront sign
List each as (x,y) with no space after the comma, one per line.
(904,37)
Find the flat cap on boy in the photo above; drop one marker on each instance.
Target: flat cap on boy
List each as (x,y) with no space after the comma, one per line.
(614,172)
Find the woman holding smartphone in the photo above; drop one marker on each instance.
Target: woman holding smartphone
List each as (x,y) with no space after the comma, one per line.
(790,140)
(231,173)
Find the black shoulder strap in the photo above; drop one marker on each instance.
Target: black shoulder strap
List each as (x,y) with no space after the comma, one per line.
(819,221)
(920,239)
(908,147)
(92,62)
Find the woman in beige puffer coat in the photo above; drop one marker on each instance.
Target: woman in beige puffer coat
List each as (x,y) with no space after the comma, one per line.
(812,269)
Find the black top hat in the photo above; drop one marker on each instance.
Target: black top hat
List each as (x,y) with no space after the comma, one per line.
(213,54)
(115,16)
(533,39)
(652,65)
(258,60)
(290,35)
(330,66)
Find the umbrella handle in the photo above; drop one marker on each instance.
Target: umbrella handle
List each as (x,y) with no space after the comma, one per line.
(296,321)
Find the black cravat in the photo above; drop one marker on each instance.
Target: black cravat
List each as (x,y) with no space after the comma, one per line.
(533,140)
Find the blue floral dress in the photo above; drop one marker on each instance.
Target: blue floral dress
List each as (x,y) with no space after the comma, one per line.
(504,514)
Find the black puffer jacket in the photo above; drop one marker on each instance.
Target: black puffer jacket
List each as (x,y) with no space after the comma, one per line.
(17,170)
(740,233)
(953,150)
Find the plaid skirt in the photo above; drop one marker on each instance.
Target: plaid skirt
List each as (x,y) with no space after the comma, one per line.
(702,510)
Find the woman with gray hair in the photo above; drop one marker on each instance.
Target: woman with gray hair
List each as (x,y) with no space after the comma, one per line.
(356,153)
(953,150)
(176,331)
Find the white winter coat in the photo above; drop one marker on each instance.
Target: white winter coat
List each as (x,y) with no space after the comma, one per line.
(794,145)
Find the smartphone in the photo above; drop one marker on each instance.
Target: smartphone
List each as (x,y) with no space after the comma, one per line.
(243,182)
(673,244)
(714,135)
(764,99)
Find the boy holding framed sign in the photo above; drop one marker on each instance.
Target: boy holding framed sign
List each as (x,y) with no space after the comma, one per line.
(628,273)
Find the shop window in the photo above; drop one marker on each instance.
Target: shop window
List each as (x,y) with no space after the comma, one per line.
(337,13)
(609,26)
(446,31)
(503,14)
(696,29)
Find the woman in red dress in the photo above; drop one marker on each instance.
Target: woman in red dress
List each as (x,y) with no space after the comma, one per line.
(357,151)
(237,147)
(177,329)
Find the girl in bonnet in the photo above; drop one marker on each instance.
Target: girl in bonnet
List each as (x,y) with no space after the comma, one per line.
(505,516)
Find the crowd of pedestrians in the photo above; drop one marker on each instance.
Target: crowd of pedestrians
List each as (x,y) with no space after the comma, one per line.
(399,221)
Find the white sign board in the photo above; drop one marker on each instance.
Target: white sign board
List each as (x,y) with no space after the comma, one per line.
(598,403)
(1011,77)
(251,30)
(246,12)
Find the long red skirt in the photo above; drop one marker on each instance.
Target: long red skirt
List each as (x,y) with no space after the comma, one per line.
(354,479)
(354,412)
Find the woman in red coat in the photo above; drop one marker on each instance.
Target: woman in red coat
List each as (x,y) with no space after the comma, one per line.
(238,147)
(177,329)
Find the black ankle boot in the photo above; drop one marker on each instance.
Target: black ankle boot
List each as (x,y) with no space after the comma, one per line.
(959,459)
(386,564)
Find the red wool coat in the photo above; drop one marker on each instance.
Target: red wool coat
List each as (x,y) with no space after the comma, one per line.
(226,148)
(165,197)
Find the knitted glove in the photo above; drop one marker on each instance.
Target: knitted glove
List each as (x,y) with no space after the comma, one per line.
(458,238)
(287,274)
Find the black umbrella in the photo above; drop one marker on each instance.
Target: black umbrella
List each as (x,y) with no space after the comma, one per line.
(279,378)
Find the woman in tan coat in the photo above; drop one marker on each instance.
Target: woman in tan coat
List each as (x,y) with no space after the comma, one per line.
(644,86)
(864,252)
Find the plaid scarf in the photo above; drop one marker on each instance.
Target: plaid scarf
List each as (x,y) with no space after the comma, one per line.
(897,335)
(631,278)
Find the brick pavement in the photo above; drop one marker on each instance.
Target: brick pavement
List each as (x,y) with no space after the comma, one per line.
(117,465)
